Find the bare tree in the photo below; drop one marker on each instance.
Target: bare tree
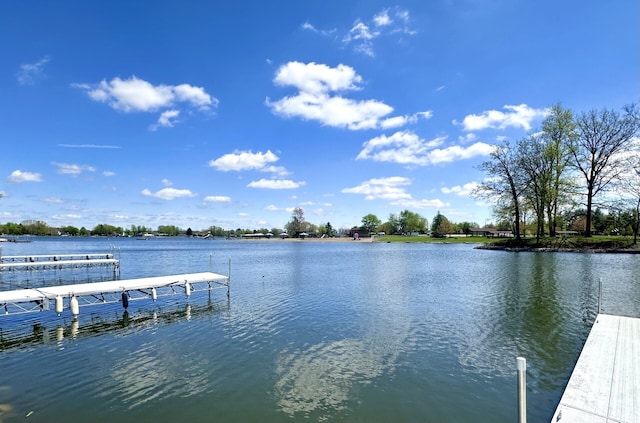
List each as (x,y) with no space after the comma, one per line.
(504,182)
(601,136)
(534,162)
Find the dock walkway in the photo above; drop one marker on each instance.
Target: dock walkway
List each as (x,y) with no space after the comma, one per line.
(76,295)
(605,384)
(58,262)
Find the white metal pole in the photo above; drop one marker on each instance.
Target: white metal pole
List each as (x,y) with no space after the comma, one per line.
(599,295)
(229,279)
(522,389)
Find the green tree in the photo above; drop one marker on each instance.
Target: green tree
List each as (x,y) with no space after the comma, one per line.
(371,223)
(392,226)
(169,230)
(440,226)
(411,222)
(328,230)
(465,227)
(106,230)
(71,230)
(297,224)
(559,131)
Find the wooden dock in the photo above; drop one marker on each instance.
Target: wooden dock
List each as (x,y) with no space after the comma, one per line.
(605,384)
(73,296)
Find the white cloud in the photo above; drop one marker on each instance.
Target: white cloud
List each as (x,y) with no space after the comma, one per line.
(316,83)
(194,95)
(462,190)
(467,138)
(456,152)
(217,199)
(419,204)
(316,78)
(398,121)
(18,176)
(272,207)
(275,184)
(72,169)
(167,119)
(320,212)
(138,95)
(166,182)
(361,33)
(169,193)
(108,173)
(324,32)
(30,73)
(519,116)
(362,36)
(247,160)
(392,189)
(53,200)
(405,147)
(382,188)
(66,216)
(382,18)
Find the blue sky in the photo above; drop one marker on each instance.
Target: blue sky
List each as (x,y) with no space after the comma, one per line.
(233,113)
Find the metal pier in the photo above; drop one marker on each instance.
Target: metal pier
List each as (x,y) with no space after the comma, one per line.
(605,383)
(59,262)
(74,296)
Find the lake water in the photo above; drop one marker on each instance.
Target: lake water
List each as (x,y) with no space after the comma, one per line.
(314,331)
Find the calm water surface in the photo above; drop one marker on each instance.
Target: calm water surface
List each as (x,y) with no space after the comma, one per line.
(313,331)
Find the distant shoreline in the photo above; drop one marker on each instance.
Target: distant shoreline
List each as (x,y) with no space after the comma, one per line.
(279,239)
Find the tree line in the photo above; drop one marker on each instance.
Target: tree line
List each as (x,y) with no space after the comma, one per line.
(572,166)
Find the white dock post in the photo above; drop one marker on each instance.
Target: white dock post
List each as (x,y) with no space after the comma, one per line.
(599,295)
(522,389)
(229,280)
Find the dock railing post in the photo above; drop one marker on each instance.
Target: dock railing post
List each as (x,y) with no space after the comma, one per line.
(599,295)
(522,389)
(229,279)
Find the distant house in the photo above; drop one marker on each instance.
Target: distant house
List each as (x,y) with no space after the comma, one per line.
(362,232)
(491,232)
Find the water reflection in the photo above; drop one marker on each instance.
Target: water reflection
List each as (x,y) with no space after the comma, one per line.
(96,324)
(323,380)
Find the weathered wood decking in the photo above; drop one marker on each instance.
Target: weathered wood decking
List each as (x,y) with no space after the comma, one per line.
(605,384)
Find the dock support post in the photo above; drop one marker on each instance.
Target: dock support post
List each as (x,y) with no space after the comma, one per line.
(522,389)
(229,280)
(599,295)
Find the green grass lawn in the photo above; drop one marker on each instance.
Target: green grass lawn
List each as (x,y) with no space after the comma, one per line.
(573,242)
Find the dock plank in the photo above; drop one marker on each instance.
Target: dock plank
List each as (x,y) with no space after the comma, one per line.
(95,288)
(604,385)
